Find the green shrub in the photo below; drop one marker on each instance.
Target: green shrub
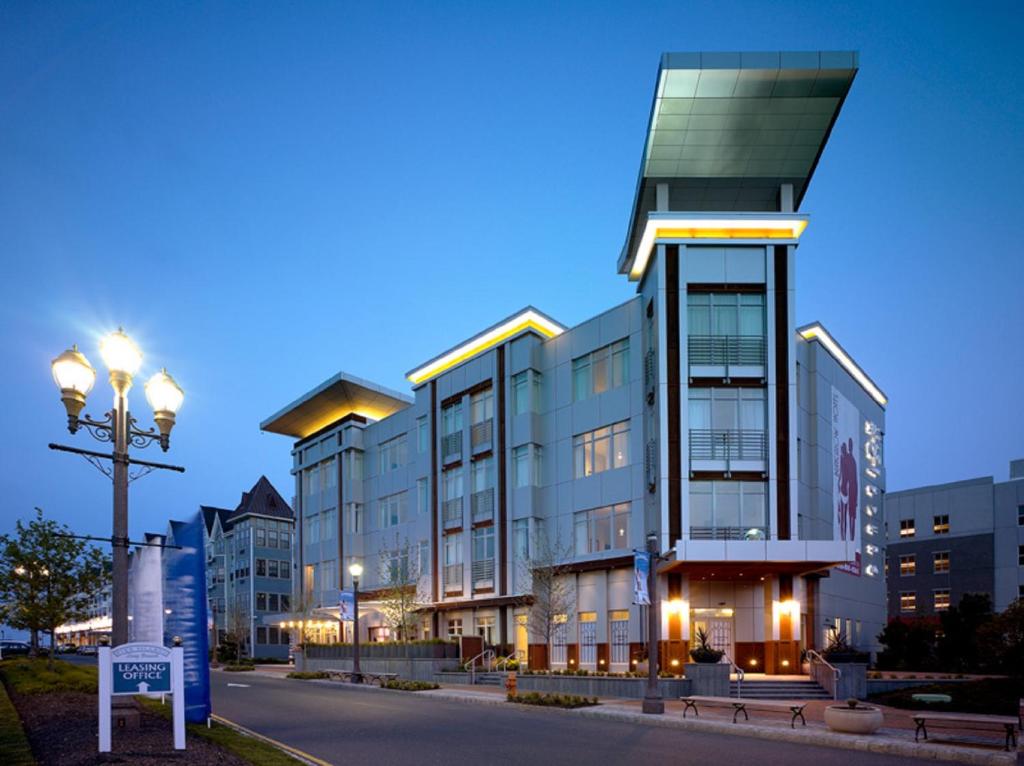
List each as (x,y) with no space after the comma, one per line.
(238,668)
(25,676)
(410,686)
(568,701)
(307,675)
(13,742)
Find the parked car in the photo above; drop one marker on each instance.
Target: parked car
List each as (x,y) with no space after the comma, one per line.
(67,648)
(88,650)
(14,648)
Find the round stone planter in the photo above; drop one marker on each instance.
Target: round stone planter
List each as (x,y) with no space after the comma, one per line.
(857,720)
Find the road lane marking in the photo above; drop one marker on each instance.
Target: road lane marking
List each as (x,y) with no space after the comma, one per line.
(302,755)
(240,686)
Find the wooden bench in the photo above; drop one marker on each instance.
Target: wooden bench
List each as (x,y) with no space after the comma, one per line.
(1007,723)
(346,675)
(739,705)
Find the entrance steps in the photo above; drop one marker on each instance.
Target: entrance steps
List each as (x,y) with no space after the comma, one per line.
(489,679)
(768,689)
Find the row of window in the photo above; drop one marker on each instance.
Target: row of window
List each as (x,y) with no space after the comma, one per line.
(940,564)
(940,600)
(272,636)
(600,370)
(940,526)
(273,568)
(273,538)
(273,602)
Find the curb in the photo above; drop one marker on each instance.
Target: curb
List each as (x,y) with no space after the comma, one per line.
(294,752)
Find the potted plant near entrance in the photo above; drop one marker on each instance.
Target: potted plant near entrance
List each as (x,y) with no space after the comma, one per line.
(704,652)
(853,718)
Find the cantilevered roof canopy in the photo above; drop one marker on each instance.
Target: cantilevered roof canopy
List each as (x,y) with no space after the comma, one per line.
(727,129)
(332,400)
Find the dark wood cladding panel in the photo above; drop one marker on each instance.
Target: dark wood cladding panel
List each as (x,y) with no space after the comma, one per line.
(675,508)
(500,473)
(782,340)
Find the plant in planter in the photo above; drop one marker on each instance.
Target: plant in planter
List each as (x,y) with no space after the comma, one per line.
(853,718)
(704,652)
(839,650)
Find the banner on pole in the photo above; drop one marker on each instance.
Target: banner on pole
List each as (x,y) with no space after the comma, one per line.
(185,597)
(346,606)
(147,598)
(641,573)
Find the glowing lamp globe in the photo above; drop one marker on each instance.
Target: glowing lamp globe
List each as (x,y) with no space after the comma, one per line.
(74,377)
(165,397)
(120,353)
(356,570)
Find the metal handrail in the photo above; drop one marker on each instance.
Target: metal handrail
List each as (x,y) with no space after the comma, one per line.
(727,350)
(813,656)
(505,660)
(472,663)
(739,673)
(728,444)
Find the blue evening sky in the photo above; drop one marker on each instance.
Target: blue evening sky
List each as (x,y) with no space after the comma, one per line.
(266,193)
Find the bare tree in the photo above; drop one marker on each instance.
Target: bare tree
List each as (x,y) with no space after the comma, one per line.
(401,595)
(544,573)
(237,628)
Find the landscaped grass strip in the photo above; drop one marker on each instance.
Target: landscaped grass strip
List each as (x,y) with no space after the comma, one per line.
(253,750)
(13,743)
(26,676)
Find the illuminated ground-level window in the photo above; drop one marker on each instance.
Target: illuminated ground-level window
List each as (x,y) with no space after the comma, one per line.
(559,635)
(454,627)
(908,601)
(588,638)
(619,631)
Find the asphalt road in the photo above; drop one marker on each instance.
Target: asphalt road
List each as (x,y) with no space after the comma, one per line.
(344,726)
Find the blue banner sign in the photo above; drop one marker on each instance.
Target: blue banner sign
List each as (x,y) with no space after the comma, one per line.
(185,597)
(346,606)
(641,574)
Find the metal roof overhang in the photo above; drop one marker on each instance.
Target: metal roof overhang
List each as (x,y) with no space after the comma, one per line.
(336,397)
(728,129)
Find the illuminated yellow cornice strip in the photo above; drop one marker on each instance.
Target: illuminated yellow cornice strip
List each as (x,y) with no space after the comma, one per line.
(711,228)
(820,334)
(526,320)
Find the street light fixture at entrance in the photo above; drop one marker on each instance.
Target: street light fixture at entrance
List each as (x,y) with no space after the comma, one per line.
(75,376)
(356,570)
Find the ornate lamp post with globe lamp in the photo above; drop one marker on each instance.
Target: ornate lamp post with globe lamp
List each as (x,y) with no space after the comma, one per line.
(75,376)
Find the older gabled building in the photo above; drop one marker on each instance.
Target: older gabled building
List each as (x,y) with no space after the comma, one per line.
(249,570)
(697,411)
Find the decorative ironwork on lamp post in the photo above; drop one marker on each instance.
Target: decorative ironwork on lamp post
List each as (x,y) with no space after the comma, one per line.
(75,376)
(653,702)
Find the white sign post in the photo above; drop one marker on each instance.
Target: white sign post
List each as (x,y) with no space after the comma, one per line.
(141,669)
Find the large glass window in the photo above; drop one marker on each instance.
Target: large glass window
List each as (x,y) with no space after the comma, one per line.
(600,370)
(423,494)
(908,601)
(940,562)
(482,474)
(354,518)
(602,529)
(392,510)
(521,539)
(941,599)
(422,434)
(526,463)
(393,454)
(728,509)
(526,392)
(483,543)
(328,524)
(354,466)
(453,484)
(727,409)
(725,314)
(481,406)
(908,565)
(907,528)
(451,418)
(600,450)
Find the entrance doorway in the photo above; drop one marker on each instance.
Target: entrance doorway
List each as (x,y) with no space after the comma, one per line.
(719,626)
(522,639)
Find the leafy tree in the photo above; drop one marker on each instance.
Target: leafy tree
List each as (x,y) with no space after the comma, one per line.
(545,576)
(47,577)
(401,597)
(907,645)
(958,647)
(1001,642)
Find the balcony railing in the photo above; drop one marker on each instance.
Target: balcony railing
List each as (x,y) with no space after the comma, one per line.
(482,503)
(453,512)
(480,433)
(483,573)
(451,445)
(728,533)
(453,577)
(727,350)
(717,444)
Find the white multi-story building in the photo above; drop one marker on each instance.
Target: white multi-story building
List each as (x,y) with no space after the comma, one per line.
(698,411)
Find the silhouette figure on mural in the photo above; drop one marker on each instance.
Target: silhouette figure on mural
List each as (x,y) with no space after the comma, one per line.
(847,506)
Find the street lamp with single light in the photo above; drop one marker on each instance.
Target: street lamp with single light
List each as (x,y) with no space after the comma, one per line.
(75,376)
(356,570)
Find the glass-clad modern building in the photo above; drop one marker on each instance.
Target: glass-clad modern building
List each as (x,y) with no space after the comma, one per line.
(698,410)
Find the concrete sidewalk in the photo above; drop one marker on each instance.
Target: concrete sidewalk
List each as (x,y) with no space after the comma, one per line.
(895,738)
